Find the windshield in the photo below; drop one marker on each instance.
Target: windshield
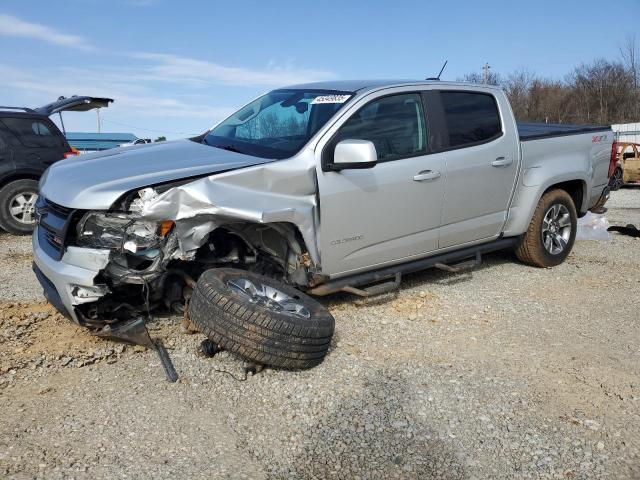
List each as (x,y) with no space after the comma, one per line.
(278,124)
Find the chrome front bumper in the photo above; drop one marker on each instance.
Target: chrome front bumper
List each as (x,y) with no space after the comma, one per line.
(78,267)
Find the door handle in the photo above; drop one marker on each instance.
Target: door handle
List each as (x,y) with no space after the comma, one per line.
(426,175)
(502,162)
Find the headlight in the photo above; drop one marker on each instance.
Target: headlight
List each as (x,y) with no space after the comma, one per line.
(120,231)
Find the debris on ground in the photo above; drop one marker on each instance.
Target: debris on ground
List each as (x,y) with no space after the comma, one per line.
(593,226)
(630,230)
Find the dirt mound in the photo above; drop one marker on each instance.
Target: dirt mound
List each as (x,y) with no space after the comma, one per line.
(35,335)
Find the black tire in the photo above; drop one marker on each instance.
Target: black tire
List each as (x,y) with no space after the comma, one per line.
(617,179)
(8,196)
(532,249)
(255,331)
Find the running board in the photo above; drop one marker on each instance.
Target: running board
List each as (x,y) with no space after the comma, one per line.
(377,289)
(462,266)
(445,261)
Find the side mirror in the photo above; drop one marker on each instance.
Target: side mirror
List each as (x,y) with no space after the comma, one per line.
(350,154)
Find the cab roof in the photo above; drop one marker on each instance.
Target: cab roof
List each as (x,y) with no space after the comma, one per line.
(363,85)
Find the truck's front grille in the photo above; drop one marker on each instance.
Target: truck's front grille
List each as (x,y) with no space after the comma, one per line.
(53,224)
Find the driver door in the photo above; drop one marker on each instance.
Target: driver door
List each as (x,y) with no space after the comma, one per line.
(389,213)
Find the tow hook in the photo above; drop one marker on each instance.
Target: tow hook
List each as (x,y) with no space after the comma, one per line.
(135,331)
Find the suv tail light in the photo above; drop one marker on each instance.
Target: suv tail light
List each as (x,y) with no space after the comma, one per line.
(614,158)
(72,152)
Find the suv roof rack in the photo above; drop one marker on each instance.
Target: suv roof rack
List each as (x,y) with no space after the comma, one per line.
(26,109)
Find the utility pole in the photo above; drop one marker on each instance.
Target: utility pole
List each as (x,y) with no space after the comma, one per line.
(485,75)
(98,118)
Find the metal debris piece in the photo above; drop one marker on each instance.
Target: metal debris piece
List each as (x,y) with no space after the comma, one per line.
(135,331)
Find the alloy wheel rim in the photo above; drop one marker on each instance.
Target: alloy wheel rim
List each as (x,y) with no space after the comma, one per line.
(556,229)
(268,297)
(617,179)
(22,207)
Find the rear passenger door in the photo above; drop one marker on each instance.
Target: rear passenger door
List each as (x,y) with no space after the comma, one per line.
(481,158)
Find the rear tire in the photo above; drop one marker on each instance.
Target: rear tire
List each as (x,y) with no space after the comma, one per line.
(551,233)
(17,206)
(282,328)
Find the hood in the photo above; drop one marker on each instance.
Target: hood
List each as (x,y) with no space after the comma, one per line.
(95,181)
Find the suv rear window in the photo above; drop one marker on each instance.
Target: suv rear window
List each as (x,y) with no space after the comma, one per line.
(471,118)
(33,132)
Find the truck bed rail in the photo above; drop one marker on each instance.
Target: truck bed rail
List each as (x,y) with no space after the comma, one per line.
(536,131)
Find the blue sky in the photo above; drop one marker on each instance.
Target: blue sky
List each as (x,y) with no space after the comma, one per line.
(176,68)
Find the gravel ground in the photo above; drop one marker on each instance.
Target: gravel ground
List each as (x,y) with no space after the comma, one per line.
(504,372)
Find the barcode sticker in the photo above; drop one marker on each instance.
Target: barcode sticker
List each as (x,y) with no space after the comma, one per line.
(330,99)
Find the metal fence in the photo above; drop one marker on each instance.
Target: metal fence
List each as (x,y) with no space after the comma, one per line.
(627,132)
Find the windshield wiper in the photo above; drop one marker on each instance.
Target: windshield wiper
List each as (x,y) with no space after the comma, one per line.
(230,148)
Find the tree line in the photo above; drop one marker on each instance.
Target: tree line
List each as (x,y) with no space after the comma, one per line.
(601,92)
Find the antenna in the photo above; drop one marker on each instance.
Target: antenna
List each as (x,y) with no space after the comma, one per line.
(441,70)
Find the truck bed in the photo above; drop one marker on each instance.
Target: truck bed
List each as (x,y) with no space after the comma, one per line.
(535,131)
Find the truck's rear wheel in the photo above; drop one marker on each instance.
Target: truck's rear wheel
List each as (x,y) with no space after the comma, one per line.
(17,206)
(261,319)
(551,233)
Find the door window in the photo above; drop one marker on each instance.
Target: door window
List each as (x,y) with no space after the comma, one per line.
(395,124)
(470,118)
(33,133)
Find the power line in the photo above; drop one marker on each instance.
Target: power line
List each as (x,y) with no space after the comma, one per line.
(146,129)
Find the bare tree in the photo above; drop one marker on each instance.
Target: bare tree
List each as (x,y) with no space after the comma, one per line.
(603,92)
(517,86)
(630,55)
(493,78)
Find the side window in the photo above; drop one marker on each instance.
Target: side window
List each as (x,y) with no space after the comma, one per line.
(394,124)
(8,137)
(470,117)
(32,132)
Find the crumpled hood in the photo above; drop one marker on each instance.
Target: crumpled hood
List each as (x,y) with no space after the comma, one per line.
(95,181)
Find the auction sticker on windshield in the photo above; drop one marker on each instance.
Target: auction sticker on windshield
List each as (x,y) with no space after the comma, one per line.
(330,99)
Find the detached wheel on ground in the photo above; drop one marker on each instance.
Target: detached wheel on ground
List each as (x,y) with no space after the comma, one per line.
(261,319)
(552,231)
(18,205)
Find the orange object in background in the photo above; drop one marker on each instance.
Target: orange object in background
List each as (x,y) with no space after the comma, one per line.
(72,152)
(627,169)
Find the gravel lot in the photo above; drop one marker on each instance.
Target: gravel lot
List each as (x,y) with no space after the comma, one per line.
(505,372)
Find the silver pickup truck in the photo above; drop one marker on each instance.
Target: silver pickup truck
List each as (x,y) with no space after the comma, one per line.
(338,186)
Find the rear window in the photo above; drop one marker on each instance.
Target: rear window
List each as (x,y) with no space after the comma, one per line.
(33,132)
(471,118)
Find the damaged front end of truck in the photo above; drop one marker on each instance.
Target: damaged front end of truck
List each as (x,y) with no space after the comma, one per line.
(147,250)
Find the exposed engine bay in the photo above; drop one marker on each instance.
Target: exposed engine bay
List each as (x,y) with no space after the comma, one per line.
(147,269)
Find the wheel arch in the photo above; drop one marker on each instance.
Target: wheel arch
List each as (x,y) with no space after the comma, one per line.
(527,198)
(19,175)
(577,190)
(281,242)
